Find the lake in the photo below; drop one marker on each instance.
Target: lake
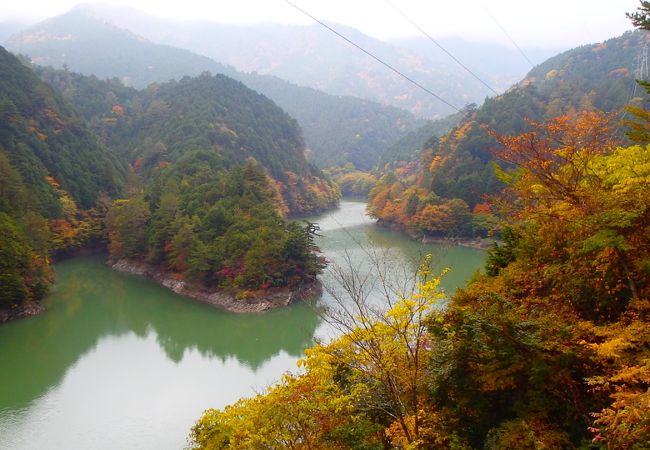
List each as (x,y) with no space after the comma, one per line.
(117,361)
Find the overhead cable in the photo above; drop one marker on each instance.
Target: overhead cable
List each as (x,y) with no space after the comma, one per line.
(441,47)
(406,77)
(494,19)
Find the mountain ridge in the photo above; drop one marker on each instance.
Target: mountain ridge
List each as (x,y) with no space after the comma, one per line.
(348,123)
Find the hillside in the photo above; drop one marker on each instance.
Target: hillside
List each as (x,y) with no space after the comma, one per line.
(340,130)
(86,43)
(43,136)
(410,144)
(548,349)
(50,163)
(458,166)
(215,167)
(158,125)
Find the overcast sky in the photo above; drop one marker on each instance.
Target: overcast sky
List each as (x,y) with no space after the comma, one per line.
(540,23)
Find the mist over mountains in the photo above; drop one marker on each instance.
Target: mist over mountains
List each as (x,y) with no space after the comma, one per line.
(354,129)
(311,56)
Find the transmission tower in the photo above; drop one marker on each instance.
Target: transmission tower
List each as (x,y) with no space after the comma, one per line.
(641,70)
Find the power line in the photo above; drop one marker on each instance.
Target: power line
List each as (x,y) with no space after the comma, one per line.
(441,47)
(494,19)
(406,77)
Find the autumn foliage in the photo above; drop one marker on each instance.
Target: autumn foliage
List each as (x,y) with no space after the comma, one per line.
(550,349)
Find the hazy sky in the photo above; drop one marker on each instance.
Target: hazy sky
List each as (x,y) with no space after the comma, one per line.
(542,23)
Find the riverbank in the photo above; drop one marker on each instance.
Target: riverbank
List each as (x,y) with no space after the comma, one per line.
(475,242)
(29,309)
(254,302)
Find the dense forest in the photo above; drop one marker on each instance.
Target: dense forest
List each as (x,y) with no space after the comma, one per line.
(215,224)
(442,191)
(50,162)
(205,179)
(157,125)
(342,129)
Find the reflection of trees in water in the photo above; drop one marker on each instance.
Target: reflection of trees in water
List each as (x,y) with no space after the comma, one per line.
(92,302)
(405,253)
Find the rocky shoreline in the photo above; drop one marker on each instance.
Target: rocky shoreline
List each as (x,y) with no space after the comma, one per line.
(478,243)
(27,310)
(256,302)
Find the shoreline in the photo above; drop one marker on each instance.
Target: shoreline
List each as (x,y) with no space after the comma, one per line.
(475,242)
(29,309)
(258,302)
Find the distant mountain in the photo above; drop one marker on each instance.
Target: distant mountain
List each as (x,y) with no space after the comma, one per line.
(88,44)
(411,144)
(337,129)
(43,136)
(501,66)
(10,27)
(458,165)
(312,56)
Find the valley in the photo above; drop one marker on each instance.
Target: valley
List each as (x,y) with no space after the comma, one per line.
(300,225)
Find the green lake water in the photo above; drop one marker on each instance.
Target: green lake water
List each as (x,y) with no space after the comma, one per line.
(117,361)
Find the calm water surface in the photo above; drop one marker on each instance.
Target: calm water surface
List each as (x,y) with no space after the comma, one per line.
(117,361)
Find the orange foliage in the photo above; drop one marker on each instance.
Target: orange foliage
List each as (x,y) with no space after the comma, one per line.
(620,71)
(52,182)
(482,208)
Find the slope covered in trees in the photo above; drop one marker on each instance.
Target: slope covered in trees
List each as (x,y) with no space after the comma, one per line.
(214,224)
(215,167)
(340,130)
(50,162)
(409,146)
(160,124)
(42,135)
(88,44)
(437,193)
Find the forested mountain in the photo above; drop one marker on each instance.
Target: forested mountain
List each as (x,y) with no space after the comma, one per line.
(312,56)
(215,167)
(339,130)
(160,124)
(549,347)
(86,43)
(458,166)
(222,165)
(408,147)
(43,136)
(50,162)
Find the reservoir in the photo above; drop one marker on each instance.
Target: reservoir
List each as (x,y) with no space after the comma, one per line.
(117,361)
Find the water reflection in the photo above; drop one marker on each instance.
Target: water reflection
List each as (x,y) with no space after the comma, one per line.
(119,361)
(91,302)
(356,235)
